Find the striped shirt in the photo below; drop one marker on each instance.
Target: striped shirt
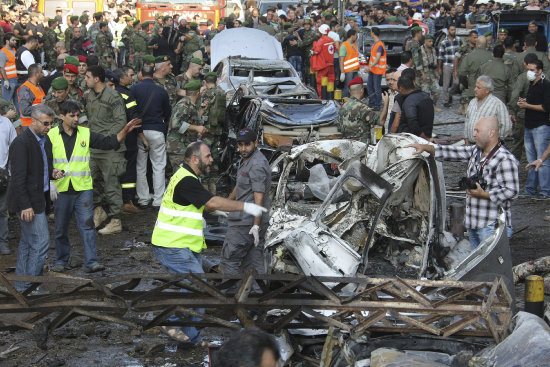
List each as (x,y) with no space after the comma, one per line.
(501,175)
(447,50)
(491,106)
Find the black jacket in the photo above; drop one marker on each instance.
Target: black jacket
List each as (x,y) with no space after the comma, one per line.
(417,113)
(26,189)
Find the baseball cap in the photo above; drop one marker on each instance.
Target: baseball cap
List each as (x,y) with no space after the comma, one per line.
(246,135)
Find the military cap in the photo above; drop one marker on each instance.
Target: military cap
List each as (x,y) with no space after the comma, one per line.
(307,21)
(82,59)
(150,59)
(352,17)
(110,76)
(212,74)
(98,14)
(287,24)
(356,80)
(135,23)
(392,19)
(487,34)
(72,61)
(102,24)
(327,14)
(74,18)
(197,61)
(83,18)
(166,17)
(193,25)
(503,30)
(60,84)
(70,68)
(129,19)
(163,58)
(221,22)
(430,36)
(246,24)
(416,29)
(192,85)
(51,21)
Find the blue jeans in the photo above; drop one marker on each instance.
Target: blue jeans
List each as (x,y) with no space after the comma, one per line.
(33,247)
(10,94)
(349,77)
(296,62)
(82,205)
(182,261)
(479,235)
(374,88)
(536,141)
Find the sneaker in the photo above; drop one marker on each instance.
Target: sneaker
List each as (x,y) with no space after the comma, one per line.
(130,208)
(4,249)
(58,268)
(99,216)
(114,226)
(540,197)
(39,292)
(94,268)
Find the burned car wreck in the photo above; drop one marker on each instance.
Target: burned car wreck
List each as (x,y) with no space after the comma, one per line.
(342,208)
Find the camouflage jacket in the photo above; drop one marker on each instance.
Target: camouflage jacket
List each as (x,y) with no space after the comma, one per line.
(127,34)
(93,32)
(355,119)
(184,114)
(75,94)
(281,35)
(463,50)
(416,56)
(214,116)
(192,42)
(54,105)
(307,41)
(50,39)
(429,62)
(68,37)
(139,41)
(170,84)
(103,45)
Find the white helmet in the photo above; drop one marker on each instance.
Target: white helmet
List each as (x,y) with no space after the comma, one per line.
(417,16)
(324,29)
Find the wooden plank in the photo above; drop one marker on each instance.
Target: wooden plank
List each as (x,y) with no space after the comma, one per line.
(410,321)
(327,319)
(12,291)
(372,319)
(459,325)
(411,291)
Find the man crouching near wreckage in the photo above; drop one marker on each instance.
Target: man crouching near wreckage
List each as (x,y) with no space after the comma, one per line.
(492,180)
(178,237)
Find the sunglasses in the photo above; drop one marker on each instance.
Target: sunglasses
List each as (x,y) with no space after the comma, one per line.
(45,123)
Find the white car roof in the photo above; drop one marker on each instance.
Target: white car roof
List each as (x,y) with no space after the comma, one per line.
(245,42)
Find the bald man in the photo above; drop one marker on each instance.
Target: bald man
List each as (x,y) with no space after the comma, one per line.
(495,173)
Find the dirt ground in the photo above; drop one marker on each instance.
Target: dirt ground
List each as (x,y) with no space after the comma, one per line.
(85,343)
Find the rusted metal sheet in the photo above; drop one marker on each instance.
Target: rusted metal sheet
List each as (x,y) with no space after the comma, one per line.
(280,301)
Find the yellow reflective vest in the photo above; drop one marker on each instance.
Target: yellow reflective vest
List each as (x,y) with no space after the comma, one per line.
(77,169)
(179,226)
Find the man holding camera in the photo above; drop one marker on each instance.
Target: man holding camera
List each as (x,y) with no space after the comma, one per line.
(492,180)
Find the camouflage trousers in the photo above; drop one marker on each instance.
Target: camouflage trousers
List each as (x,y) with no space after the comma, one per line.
(213,142)
(50,57)
(105,63)
(431,86)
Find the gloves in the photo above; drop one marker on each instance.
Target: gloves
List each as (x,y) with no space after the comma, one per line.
(220,213)
(342,77)
(255,232)
(253,209)
(53,191)
(6,84)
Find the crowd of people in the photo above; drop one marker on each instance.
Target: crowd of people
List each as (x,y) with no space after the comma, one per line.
(91,104)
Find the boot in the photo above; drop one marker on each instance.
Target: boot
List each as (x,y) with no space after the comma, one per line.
(114,226)
(99,216)
(130,208)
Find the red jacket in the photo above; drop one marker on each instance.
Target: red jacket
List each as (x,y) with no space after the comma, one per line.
(325,52)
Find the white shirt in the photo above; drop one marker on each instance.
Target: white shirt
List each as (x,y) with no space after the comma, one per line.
(7,135)
(336,38)
(402,67)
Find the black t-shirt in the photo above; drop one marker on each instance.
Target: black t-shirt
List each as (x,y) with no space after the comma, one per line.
(538,94)
(190,191)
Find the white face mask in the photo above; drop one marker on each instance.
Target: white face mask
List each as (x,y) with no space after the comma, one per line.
(531,75)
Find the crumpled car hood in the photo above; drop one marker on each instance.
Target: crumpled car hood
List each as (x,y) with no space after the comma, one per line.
(299,112)
(245,42)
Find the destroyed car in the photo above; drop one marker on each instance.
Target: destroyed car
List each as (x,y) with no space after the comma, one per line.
(246,54)
(342,208)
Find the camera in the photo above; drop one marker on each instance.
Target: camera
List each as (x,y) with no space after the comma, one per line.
(469,183)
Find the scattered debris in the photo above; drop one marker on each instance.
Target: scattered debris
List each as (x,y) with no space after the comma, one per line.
(4,354)
(540,266)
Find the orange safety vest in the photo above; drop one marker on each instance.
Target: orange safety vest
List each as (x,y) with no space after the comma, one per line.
(380,67)
(351,60)
(11,72)
(38,95)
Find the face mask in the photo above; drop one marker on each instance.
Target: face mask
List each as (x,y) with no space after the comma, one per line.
(531,75)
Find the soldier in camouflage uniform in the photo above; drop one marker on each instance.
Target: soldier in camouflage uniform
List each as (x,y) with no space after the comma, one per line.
(84,25)
(69,31)
(163,76)
(125,37)
(510,54)
(416,33)
(213,101)
(157,26)
(306,43)
(193,72)
(60,94)
(219,28)
(70,73)
(94,28)
(50,39)
(429,78)
(81,78)
(138,45)
(470,65)
(186,125)
(460,54)
(103,48)
(192,42)
(356,118)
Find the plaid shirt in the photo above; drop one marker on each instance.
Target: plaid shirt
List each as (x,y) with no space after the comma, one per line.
(491,106)
(448,48)
(501,175)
